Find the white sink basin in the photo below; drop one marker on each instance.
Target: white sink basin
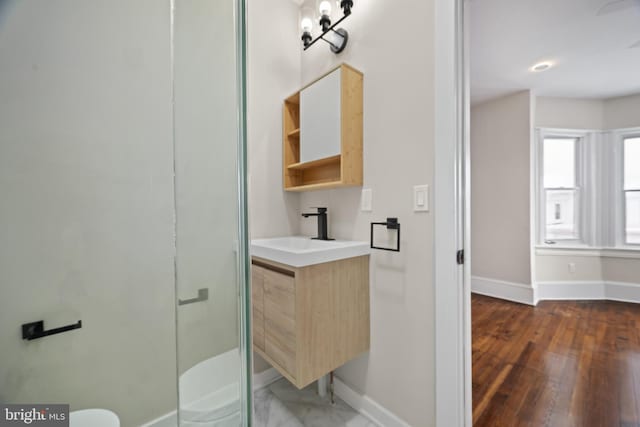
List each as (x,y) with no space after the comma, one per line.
(301,251)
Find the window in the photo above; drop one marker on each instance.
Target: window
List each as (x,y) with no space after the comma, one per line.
(588,189)
(631,189)
(561,192)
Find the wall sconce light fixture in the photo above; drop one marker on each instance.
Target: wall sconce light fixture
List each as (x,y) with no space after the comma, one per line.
(340,36)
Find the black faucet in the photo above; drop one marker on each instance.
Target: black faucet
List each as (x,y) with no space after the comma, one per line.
(322,223)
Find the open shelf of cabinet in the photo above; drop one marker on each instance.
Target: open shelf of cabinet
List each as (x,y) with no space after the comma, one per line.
(341,170)
(316,163)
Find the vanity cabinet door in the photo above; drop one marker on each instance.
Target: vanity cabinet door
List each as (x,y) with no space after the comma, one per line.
(280,319)
(257,295)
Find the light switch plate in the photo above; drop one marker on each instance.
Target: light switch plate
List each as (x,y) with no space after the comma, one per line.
(421,198)
(365,200)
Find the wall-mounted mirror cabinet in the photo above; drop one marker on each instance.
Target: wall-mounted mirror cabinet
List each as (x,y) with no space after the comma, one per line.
(322,134)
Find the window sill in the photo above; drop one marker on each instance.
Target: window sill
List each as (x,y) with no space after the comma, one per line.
(623,252)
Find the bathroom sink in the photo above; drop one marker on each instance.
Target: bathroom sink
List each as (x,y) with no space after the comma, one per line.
(301,251)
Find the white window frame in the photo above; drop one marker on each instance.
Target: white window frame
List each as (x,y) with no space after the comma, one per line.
(585,184)
(619,240)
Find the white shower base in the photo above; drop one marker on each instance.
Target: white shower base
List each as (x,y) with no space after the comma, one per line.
(209,394)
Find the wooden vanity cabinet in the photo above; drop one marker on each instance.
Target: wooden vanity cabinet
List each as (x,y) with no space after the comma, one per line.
(308,321)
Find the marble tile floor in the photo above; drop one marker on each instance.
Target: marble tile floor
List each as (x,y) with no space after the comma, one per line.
(282,405)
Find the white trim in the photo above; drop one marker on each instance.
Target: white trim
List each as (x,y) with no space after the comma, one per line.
(570,290)
(452,291)
(586,251)
(567,131)
(265,378)
(588,290)
(559,291)
(623,291)
(619,191)
(585,147)
(627,131)
(367,407)
(615,174)
(516,292)
(590,252)
(465,41)
(621,253)
(600,168)
(537,187)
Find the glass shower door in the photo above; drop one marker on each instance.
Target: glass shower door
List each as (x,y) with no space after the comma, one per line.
(86,211)
(123,260)
(210,221)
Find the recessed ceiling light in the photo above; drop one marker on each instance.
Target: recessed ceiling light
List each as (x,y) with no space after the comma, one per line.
(541,66)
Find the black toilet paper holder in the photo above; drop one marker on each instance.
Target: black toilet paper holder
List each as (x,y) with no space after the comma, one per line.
(35,330)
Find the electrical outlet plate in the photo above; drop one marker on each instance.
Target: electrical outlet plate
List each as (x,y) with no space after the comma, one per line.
(421,198)
(366,200)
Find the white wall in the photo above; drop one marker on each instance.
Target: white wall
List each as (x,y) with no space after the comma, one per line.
(86,181)
(273,74)
(398,372)
(621,270)
(622,112)
(569,113)
(555,268)
(595,114)
(500,200)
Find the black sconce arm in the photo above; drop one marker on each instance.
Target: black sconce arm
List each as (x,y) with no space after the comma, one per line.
(324,33)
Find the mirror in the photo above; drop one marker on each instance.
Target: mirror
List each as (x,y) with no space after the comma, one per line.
(320,112)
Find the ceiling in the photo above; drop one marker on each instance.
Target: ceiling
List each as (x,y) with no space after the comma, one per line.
(591,52)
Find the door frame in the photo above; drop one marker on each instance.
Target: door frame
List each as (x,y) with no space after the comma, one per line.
(452,216)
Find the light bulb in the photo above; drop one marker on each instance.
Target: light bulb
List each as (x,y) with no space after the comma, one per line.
(325,8)
(306,24)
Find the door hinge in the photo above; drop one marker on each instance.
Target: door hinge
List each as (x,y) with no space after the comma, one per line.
(460,257)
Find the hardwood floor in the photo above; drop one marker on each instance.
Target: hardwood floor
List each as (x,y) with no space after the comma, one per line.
(562,363)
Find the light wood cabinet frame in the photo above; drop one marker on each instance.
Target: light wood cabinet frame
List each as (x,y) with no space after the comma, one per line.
(342,170)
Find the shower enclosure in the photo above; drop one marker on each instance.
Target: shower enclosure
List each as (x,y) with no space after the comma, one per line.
(123,212)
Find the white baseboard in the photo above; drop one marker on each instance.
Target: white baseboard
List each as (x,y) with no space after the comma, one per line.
(622,291)
(265,378)
(561,290)
(588,290)
(570,290)
(516,292)
(366,406)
